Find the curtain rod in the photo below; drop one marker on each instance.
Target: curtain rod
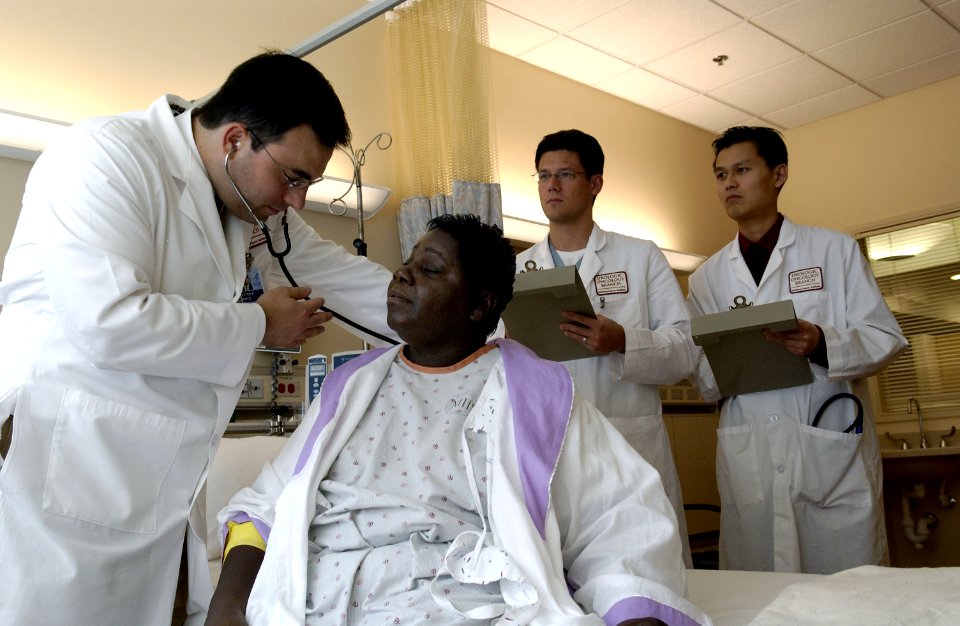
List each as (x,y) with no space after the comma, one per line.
(344,26)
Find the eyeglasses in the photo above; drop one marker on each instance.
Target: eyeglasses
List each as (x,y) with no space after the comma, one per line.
(563,176)
(292,182)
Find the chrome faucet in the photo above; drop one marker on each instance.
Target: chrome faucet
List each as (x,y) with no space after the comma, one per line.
(923,436)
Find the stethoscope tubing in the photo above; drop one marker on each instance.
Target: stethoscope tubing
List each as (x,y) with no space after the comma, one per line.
(280,255)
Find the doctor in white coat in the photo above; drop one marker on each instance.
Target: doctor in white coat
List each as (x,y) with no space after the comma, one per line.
(134,293)
(795,497)
(641,333)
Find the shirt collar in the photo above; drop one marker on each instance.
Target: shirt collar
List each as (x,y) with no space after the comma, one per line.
(769,240)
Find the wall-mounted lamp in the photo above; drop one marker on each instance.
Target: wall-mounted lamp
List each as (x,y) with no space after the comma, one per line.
(24,137)
(529,231)
(333,195)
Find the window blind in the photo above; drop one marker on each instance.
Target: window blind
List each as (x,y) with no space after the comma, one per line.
(917,267)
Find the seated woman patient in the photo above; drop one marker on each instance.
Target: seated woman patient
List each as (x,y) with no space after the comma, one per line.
(452,481)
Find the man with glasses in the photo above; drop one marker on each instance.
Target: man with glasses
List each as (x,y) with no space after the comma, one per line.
(136,288)
(640,336)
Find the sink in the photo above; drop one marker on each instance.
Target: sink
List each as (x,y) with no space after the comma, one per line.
(920,464)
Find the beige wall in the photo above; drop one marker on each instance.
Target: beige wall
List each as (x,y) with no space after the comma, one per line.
(879,163)
(894,158)
(13,175)
(657,179)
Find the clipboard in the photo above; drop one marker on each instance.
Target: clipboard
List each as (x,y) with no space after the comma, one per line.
(741,359)
(533,315)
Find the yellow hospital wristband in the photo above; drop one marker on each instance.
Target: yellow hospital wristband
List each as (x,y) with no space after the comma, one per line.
(243,534)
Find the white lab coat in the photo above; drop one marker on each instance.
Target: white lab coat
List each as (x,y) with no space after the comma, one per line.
(797,498)
(567,494)
(659,351)
(125,353)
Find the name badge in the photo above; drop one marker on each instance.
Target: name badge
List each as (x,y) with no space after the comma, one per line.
(810,279)
(257,238)
(614,282)
(252,286)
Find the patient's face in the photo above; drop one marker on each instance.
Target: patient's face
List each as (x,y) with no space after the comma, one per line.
(428,302)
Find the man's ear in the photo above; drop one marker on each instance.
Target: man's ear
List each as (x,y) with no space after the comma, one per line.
(780,173)
(233,135)
(483,306)
(596,184)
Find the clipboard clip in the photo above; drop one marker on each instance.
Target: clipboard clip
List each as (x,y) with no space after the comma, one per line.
(530,266)
(739,302)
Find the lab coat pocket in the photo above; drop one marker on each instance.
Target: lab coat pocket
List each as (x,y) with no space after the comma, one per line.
(108,462)
(738,472)
(624,309)
(830,469)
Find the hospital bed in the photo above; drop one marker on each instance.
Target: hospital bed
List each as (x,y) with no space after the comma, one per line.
(864,595)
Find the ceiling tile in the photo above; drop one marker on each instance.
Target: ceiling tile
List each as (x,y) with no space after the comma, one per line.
(645,89)
(924,73)
(750,8)
(707,113)
(794,81)
(749,50)
(815,24)
(560,16)
(824,106)
(892,47)
(514,35)
(951,10)
(575,61)
(654,31)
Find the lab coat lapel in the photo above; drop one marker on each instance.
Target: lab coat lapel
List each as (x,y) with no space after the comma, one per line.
(747,286)
(196,201)
(591,264)
(540,254)
(788,234)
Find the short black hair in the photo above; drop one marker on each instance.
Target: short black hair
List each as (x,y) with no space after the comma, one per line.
(768,141)
(585,146)
(251,96)
(486,257)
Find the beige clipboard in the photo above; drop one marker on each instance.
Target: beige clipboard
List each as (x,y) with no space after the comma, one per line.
(741,359)
(533,315)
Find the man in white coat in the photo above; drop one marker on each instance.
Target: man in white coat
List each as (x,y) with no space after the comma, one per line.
(136,288)
(795,497)
(640,336)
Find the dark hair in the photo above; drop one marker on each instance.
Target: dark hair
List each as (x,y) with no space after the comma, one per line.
(486,257)
(768,141)
(586,147)
(253,96)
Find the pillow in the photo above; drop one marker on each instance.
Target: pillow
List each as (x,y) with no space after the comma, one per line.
(237,464)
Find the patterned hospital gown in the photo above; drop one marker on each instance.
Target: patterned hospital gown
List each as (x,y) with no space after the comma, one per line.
(395,498)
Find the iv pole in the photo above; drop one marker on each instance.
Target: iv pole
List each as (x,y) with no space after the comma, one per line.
(358,158)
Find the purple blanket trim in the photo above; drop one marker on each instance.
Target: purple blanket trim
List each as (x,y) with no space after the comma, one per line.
(243,518)
(330,399)
(541,395)
(638,607)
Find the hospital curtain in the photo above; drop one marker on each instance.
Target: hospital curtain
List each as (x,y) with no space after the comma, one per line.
(439,72)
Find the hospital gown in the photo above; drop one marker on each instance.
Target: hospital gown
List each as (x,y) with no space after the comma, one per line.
(382,529)
(575,527)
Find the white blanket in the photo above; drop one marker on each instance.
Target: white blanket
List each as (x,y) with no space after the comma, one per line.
(870,595)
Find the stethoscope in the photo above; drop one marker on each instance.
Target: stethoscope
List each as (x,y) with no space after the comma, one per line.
(280,255)
(856,426)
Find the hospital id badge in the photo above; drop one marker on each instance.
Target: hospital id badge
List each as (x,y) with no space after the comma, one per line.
(252,286)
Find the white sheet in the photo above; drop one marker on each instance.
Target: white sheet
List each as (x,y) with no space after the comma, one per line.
(870,595)
(734,598)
